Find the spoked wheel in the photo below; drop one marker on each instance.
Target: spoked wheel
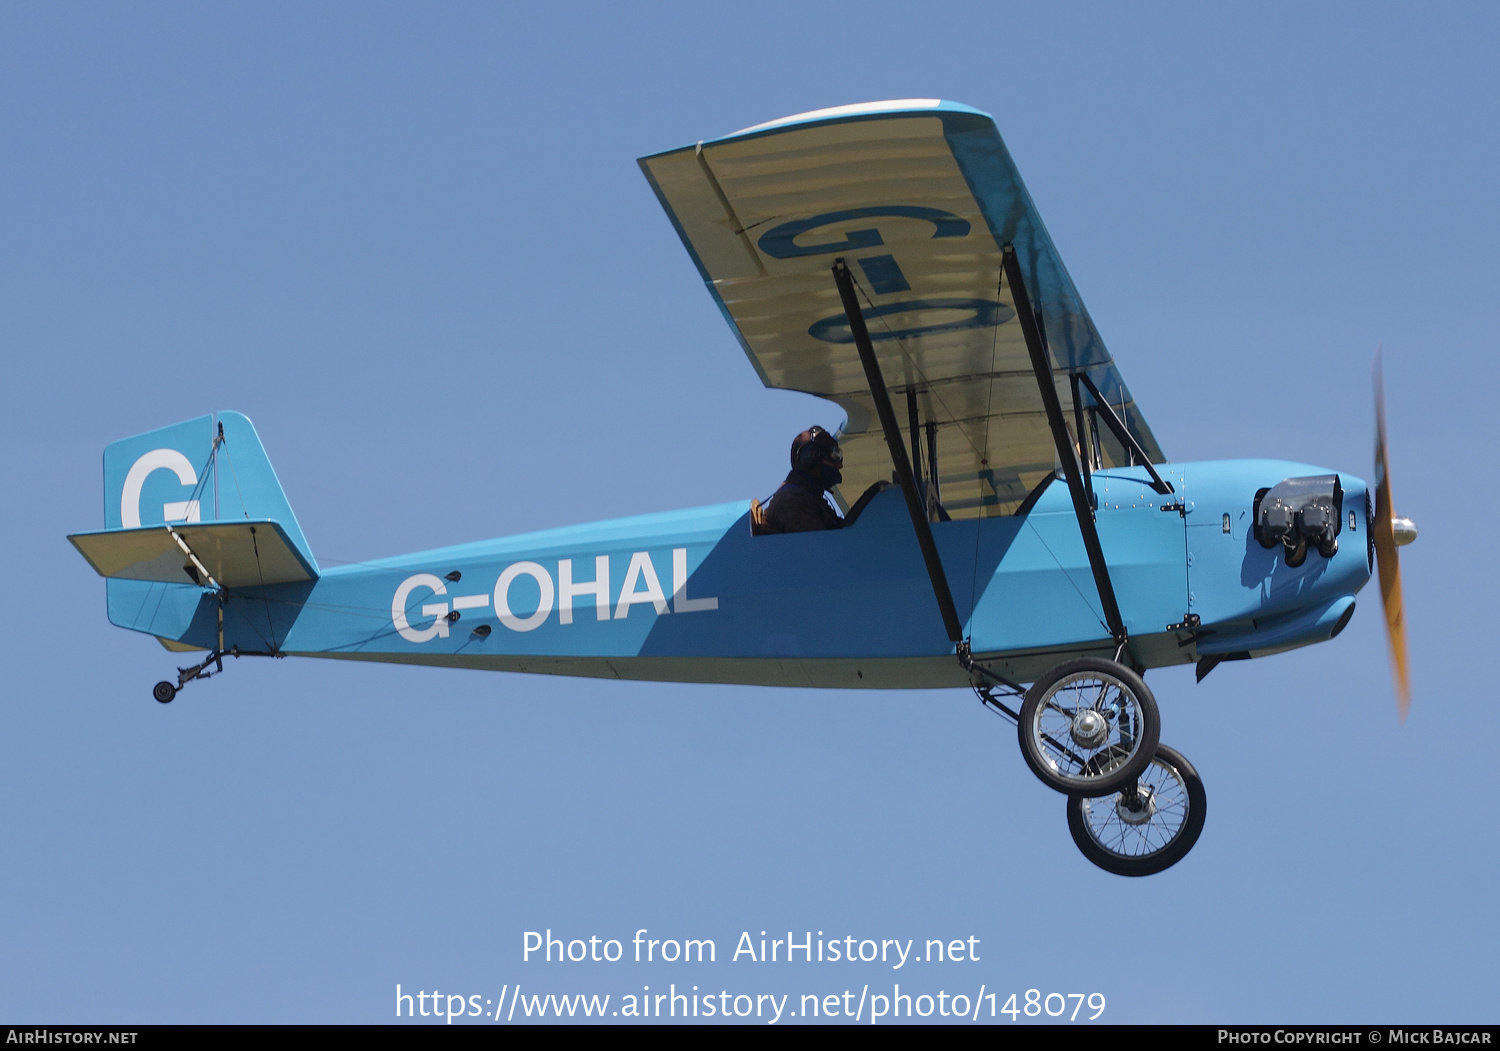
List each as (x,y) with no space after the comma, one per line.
(1089,727)
(1144,828)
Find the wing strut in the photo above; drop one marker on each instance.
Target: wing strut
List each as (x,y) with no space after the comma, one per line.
(1121,432)
(1067,452)
(882,397)
(1083,449)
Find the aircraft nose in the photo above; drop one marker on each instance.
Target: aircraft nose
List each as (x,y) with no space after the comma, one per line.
(1405,531)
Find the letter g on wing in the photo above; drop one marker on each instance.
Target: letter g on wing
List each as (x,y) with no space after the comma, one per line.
(781,242)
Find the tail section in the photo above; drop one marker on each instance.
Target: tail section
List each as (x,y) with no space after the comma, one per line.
(192,510)
(210,469)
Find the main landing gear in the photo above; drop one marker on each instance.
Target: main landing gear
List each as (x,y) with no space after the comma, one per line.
(1090,729)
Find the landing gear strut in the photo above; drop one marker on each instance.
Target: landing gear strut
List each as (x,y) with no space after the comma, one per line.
(165,691)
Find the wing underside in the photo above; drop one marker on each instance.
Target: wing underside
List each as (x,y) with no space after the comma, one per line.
(918,198)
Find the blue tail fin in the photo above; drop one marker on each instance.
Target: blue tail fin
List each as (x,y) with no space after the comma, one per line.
(211,469)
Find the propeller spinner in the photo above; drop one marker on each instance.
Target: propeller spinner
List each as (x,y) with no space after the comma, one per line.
(1389,533)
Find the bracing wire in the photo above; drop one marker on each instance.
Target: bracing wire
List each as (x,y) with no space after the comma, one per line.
(989,405)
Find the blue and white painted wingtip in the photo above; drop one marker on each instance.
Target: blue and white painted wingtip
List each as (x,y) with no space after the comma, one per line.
(888,107)
(836,114)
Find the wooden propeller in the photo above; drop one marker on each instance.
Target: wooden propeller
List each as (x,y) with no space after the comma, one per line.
(1389,532)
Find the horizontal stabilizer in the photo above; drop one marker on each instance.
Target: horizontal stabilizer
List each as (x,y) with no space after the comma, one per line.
(235,554)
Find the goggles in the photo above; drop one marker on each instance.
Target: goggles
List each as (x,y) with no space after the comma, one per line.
(828,450)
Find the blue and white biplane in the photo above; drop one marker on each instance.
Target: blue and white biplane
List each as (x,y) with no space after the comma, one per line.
(1019,522)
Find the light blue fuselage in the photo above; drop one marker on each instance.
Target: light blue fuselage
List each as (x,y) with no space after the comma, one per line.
(693,596)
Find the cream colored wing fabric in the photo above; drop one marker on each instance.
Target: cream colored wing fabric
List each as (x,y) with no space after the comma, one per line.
(918,197)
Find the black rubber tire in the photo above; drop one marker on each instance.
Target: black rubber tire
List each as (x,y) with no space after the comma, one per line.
(1126,759)
(164,692)
(1180,829)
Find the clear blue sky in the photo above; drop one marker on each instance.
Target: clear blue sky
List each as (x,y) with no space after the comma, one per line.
(414,247)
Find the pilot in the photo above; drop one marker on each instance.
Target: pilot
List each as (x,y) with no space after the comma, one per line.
(798,506)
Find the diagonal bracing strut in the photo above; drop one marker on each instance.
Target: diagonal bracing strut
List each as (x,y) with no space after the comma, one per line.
(1041,365)
(1122,432)
(904,475)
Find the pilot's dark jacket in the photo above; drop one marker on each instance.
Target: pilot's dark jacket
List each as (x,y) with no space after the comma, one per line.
(798,506)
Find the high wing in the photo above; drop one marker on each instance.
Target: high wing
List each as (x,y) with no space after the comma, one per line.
(919,197)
